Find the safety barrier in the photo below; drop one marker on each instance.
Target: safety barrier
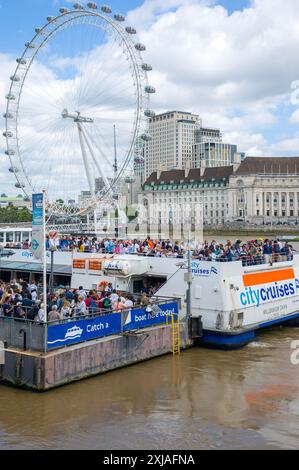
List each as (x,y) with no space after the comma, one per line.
(28,334)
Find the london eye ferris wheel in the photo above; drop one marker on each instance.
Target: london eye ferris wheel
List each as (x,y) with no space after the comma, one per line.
(81,77)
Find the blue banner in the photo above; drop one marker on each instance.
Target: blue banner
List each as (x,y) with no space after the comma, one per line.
(37,244)
(142,318)
(37,209)
(83,330)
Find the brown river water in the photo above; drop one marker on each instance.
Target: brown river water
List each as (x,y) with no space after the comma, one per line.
(204,399)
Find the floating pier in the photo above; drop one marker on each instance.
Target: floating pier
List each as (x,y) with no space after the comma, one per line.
(44,371)
(42,356)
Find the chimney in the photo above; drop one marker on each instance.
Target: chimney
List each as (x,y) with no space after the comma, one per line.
(187,168)
(159,170)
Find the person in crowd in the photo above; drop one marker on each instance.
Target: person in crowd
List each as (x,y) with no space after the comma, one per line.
(54,316)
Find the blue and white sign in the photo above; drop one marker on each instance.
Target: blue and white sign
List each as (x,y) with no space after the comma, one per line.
(37,209)
(83,330)
(142,318)
(37,244)
(198,269)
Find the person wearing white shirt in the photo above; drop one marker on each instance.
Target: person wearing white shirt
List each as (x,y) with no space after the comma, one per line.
(41,316)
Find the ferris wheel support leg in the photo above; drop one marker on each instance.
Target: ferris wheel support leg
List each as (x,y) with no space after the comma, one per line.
(85,160)
(105,179)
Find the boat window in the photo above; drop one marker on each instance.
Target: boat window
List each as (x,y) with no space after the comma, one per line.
(1,237)
(9,237)
(25,236)
(148,284)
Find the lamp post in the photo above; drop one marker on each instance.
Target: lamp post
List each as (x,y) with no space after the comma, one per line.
(52,251)
(188,279)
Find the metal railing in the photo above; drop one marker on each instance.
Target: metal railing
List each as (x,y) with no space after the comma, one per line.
(27,334)
(252,260)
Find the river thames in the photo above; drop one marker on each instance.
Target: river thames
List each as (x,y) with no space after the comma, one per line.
(204,399)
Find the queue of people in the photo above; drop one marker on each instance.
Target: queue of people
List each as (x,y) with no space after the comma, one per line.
(21,301)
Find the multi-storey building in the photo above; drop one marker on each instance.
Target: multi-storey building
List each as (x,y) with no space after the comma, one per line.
(265,190)
(259,190)
(213,154)
(208,134)
(186,194)
(172,141)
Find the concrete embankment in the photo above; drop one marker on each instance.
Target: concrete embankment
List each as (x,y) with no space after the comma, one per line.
(41,372)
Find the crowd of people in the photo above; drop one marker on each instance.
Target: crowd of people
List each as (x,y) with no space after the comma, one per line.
(253,250)
(258,251)
(21,300)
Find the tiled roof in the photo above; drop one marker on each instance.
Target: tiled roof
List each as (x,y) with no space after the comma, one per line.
(217,173)
(269,166)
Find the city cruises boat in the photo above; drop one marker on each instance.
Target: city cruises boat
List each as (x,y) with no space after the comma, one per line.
(234,299)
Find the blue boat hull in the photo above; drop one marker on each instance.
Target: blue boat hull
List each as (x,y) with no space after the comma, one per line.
(230,340)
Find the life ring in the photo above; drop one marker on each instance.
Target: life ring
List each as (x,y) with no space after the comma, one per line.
(103,285)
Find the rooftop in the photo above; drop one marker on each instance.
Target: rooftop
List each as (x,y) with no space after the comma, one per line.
(269,166)
(176,176)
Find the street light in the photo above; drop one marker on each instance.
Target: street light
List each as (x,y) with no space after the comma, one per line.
(188,280)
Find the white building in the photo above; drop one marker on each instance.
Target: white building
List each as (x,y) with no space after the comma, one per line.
(193,195)
(259,190)
(265,190)
(172,143)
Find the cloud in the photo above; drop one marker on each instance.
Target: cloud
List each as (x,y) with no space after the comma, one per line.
(234,70)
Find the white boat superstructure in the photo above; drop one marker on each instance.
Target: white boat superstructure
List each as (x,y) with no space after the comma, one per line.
(233,300)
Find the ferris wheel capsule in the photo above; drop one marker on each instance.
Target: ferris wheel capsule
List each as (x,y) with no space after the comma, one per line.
(146,137)
(7,134)
(13,169)
(119,17)
(10,97)
(21,61)
(8,116)
(20,185)
(146,67)
(140,47)
(15,78)
(38,30)
(106,9)
(10,152)
(29,45)
(131,30)
(78,6)
(150,89)
(149,113)
(92,6)
(138,159)
(63,10)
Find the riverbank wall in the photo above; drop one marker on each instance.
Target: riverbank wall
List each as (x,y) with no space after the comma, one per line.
(44,371)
